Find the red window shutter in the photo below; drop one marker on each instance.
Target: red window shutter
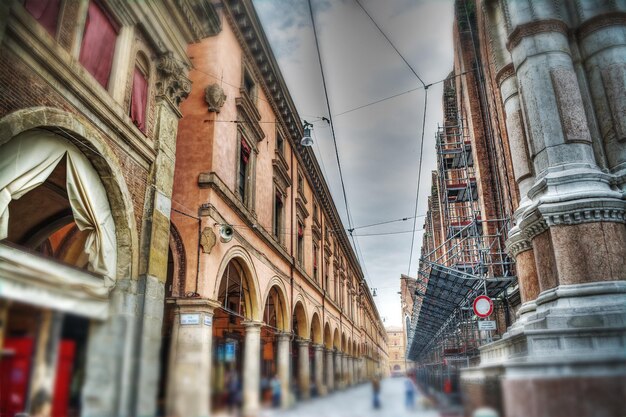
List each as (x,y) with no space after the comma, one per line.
(46,12)
(96,52)
(245,150)
(139,100)
(300,231)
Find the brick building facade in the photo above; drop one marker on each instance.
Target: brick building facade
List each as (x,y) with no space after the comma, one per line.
(539,89)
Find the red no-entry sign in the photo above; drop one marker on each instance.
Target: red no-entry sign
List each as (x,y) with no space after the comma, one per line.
(483,306)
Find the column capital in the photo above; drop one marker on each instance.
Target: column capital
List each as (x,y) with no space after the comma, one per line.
(205,305)
(282,336)
(318,346)
(303,342)
(252,325)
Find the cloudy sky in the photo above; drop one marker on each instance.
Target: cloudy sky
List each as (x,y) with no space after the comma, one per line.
(379,145)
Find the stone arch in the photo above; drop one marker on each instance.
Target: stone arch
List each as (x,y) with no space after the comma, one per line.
(240,258)
(316,329)
(328,338)
(336,339)
(179,261)
(344,342)
(300,320)
(78,131)
(277,293)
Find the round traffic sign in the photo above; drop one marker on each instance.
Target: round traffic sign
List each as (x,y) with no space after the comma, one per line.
(483,306)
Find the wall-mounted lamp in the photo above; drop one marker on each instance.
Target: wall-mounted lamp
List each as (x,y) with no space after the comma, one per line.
(307,140)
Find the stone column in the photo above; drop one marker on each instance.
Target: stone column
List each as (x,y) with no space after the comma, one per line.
(338,382)
(46,352)
(190,360)
(304,371)
(330,370)
(344,370)
(284,359)
(252,368)
(603,52)
(319,369)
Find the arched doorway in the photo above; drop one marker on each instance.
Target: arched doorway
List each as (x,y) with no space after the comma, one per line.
(58,238)
(275,321)
(300,330)
(237,300)
(316,360)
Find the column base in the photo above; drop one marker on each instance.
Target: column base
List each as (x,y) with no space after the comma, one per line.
(568,358)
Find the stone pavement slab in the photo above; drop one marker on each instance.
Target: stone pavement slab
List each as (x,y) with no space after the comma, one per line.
(357,402)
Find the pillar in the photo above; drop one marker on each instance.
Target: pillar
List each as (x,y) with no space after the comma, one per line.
(338,382)
(330,370)
(189,383)
(252,368)
(283,340)
(344,370)
(304,371)
(319,369)
(45,355)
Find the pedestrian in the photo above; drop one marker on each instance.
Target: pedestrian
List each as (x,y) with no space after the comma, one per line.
(276,391)
(409,394)
(233,388)
(376,391)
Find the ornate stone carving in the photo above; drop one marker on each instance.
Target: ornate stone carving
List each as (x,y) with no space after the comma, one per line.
(214,97)
(172,82)
(600,22)
(207,239)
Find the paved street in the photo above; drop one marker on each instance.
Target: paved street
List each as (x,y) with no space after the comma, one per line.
(357,402)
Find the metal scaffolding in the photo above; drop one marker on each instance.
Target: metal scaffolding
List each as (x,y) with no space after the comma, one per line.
(470,261)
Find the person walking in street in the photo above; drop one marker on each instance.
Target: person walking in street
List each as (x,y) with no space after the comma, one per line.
(409,393)
(276,391)
(376,391)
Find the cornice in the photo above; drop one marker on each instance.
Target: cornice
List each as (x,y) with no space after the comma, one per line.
(197,19)
(534,28)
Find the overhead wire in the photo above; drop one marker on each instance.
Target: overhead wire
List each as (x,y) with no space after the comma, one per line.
(332,129)
(425,87)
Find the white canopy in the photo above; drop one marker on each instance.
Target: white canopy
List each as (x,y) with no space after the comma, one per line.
(27,160)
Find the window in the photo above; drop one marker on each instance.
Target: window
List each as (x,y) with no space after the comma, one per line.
(300,184)
(244,167)
(96,51)
(326,276)
(315,267)
(278,215)
(249,85)
(300,246)
(46,12)
(315,216)
(280,144)
(139,99)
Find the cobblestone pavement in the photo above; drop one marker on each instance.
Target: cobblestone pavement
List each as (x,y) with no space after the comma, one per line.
(357,402)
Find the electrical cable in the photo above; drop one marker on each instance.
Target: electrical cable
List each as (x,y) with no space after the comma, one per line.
(419,179)
(425,86)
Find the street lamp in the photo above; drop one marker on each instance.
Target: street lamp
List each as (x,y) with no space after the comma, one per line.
(307,140)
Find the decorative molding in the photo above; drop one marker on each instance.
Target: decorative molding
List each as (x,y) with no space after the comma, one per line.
(172,83)
(505,73)
(215,97)
(200,18)
(207,239)
(281,173)
(586,216)
(601,22)
(517,243)
(249,116)
(534,28)
(535,228)
(301,209)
